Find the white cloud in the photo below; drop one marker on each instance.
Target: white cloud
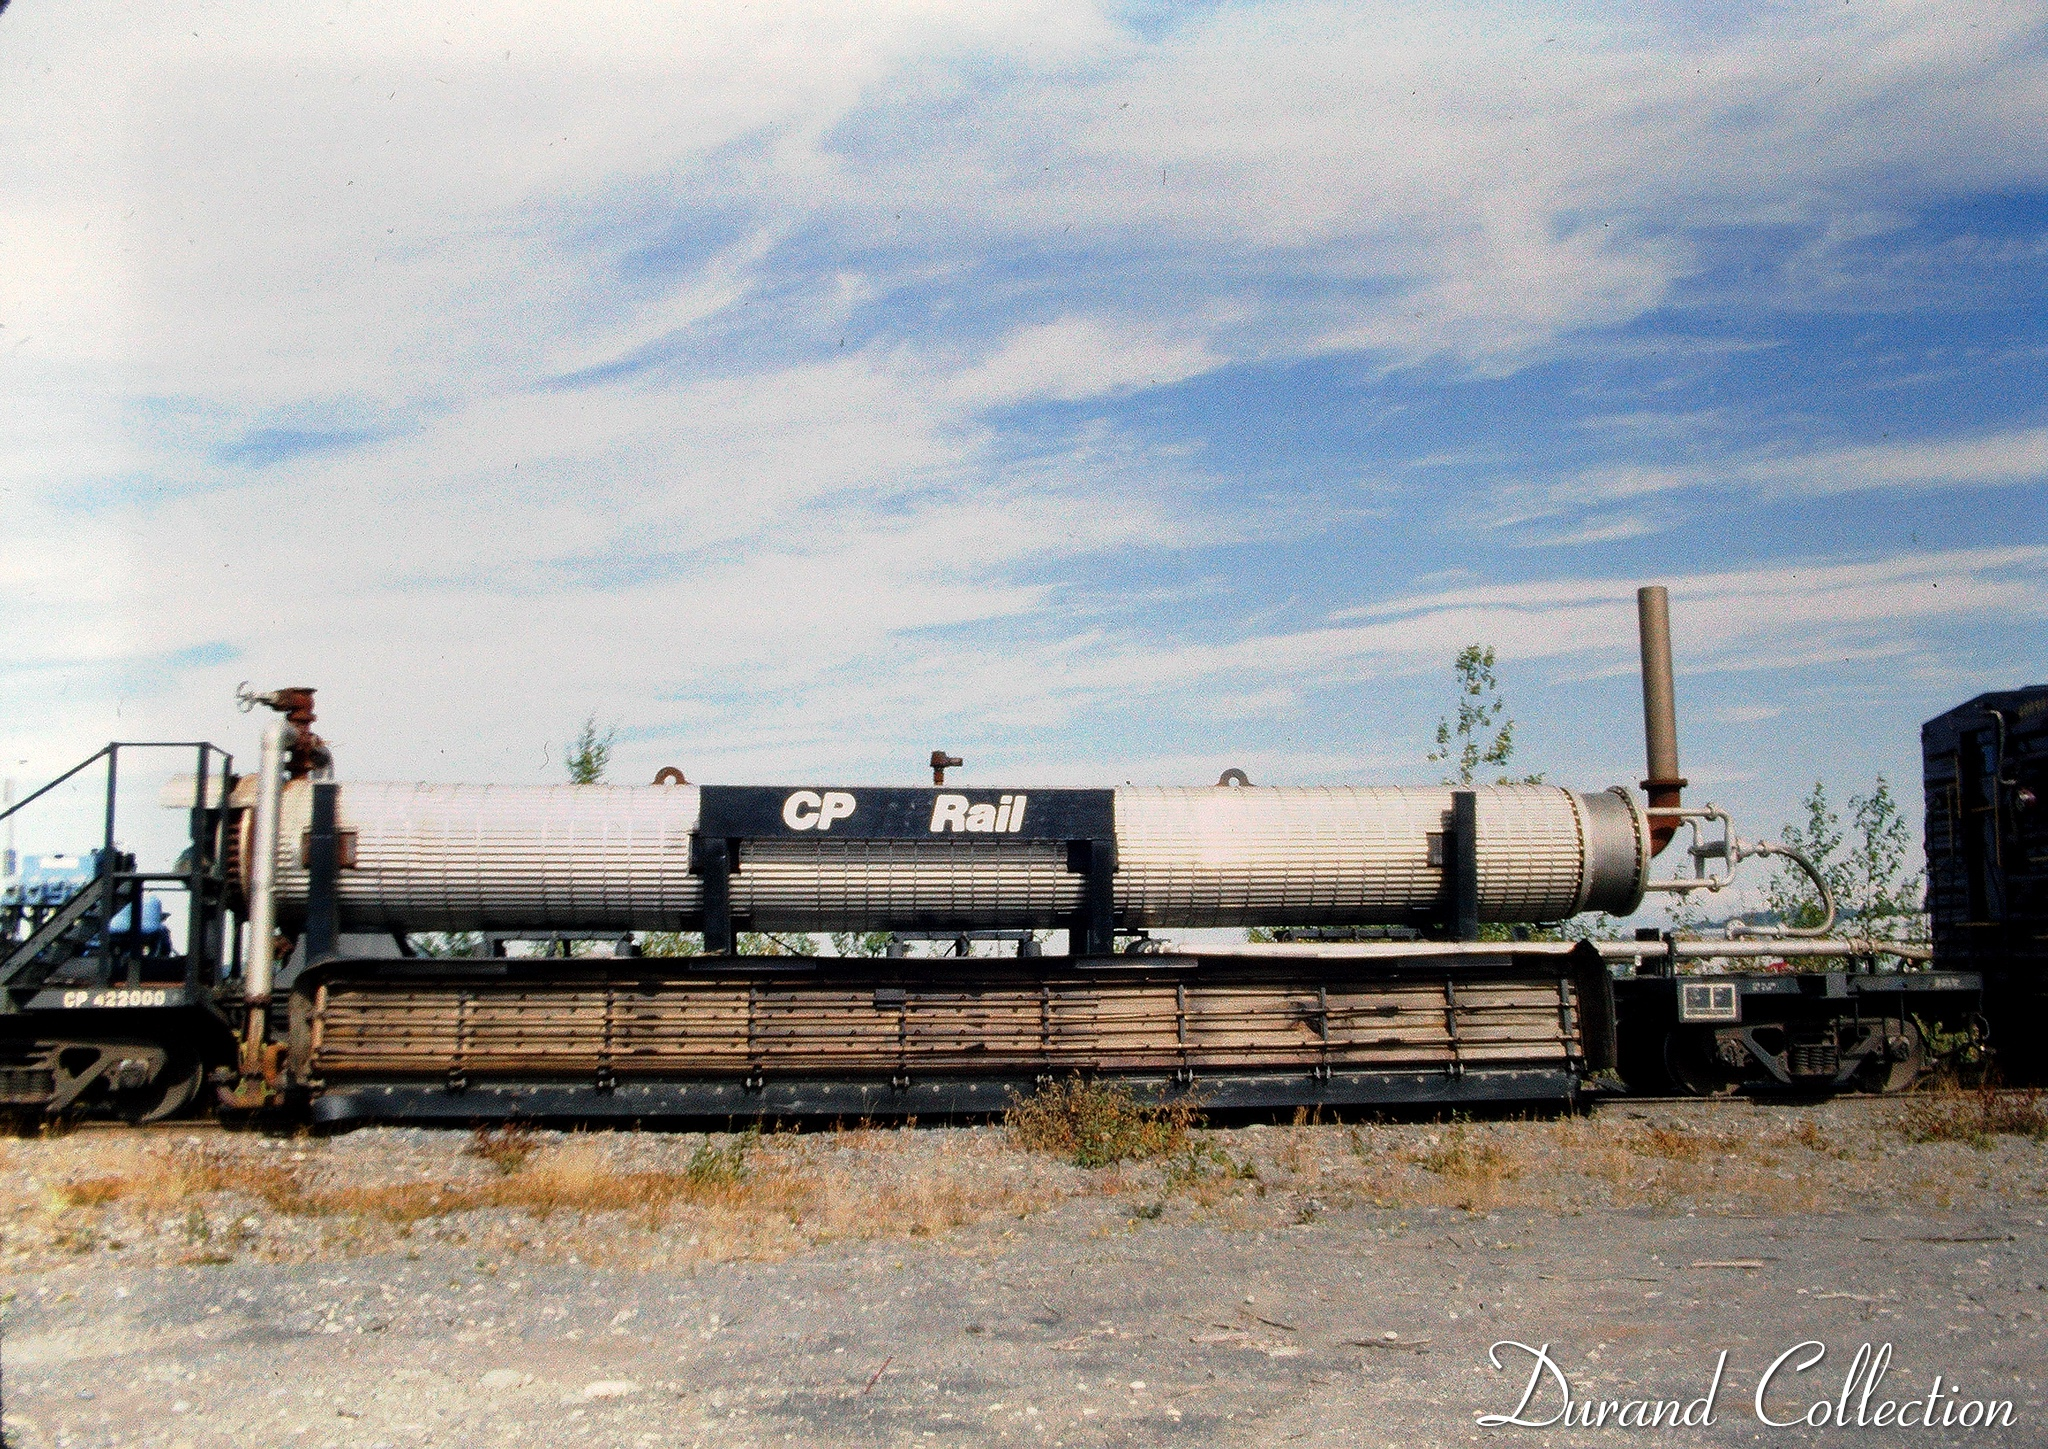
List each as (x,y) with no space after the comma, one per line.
(1993,459)
(2018,456)
(1795,614)
(1079,357)
(1740,714)
(279,206)
(1592,531)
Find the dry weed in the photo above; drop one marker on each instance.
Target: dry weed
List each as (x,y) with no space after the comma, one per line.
(1677,1146)
(1978,1117)
(1297,1149)
(1096,1124)
(574,1177)
(1206,1171)
(729,1198)
(505,1148)
(94,1191)
(1476,1168)
(732,1197)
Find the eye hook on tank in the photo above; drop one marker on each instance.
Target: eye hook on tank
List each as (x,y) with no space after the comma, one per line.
(669,775)
(1233,776)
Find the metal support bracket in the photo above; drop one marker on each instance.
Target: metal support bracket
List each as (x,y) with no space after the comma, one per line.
(711,860)
(1461,865)
(323,871)
(1094,928)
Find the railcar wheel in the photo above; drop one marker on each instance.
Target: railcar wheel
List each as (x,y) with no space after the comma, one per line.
(1695,1067)
(177,1083)
(1904,1063)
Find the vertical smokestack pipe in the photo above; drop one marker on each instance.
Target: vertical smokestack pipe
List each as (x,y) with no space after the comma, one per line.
(256,975)
(1660,714)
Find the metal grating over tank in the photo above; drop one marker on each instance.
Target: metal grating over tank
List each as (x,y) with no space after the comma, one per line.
(594,857)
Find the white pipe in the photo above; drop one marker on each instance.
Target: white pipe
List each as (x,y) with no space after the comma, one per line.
(1820,883)
(263,867)
(1791,949)
(1609,950)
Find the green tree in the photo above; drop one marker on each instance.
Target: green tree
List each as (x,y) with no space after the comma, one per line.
(775,943)
(749,943)
(1483,735)
(586,758)
(670,943)
(1864,862)
(1884,896)
(861,943)
(447,943)
(1484,732)
(1599,927)
(590,753)
(1790,894)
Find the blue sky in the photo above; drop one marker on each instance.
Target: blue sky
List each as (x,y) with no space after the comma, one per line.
(1100,392)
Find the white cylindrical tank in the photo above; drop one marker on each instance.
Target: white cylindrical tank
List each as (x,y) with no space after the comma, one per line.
(604,857)
(1361,855)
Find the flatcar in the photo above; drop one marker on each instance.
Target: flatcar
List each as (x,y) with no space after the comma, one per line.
(1414,976)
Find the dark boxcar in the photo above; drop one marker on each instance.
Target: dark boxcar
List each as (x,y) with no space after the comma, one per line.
(1986,771)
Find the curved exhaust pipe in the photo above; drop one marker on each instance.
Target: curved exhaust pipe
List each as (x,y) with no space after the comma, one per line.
(1660,715)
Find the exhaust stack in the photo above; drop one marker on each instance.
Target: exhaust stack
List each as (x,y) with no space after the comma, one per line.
(1660,715)
(262,887)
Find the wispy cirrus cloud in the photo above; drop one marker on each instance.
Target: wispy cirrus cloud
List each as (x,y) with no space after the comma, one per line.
(2002,459)
(800,381)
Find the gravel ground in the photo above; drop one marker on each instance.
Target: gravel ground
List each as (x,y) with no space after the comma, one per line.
(1313,1285)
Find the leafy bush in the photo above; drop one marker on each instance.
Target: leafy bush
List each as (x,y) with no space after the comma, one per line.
(1094,1124)
(711,1166)
(1957,1054)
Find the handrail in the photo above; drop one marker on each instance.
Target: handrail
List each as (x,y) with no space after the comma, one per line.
(97,754)
(117,885)
(100,753)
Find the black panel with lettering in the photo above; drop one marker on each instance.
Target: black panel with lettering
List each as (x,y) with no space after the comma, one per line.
(755,812)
